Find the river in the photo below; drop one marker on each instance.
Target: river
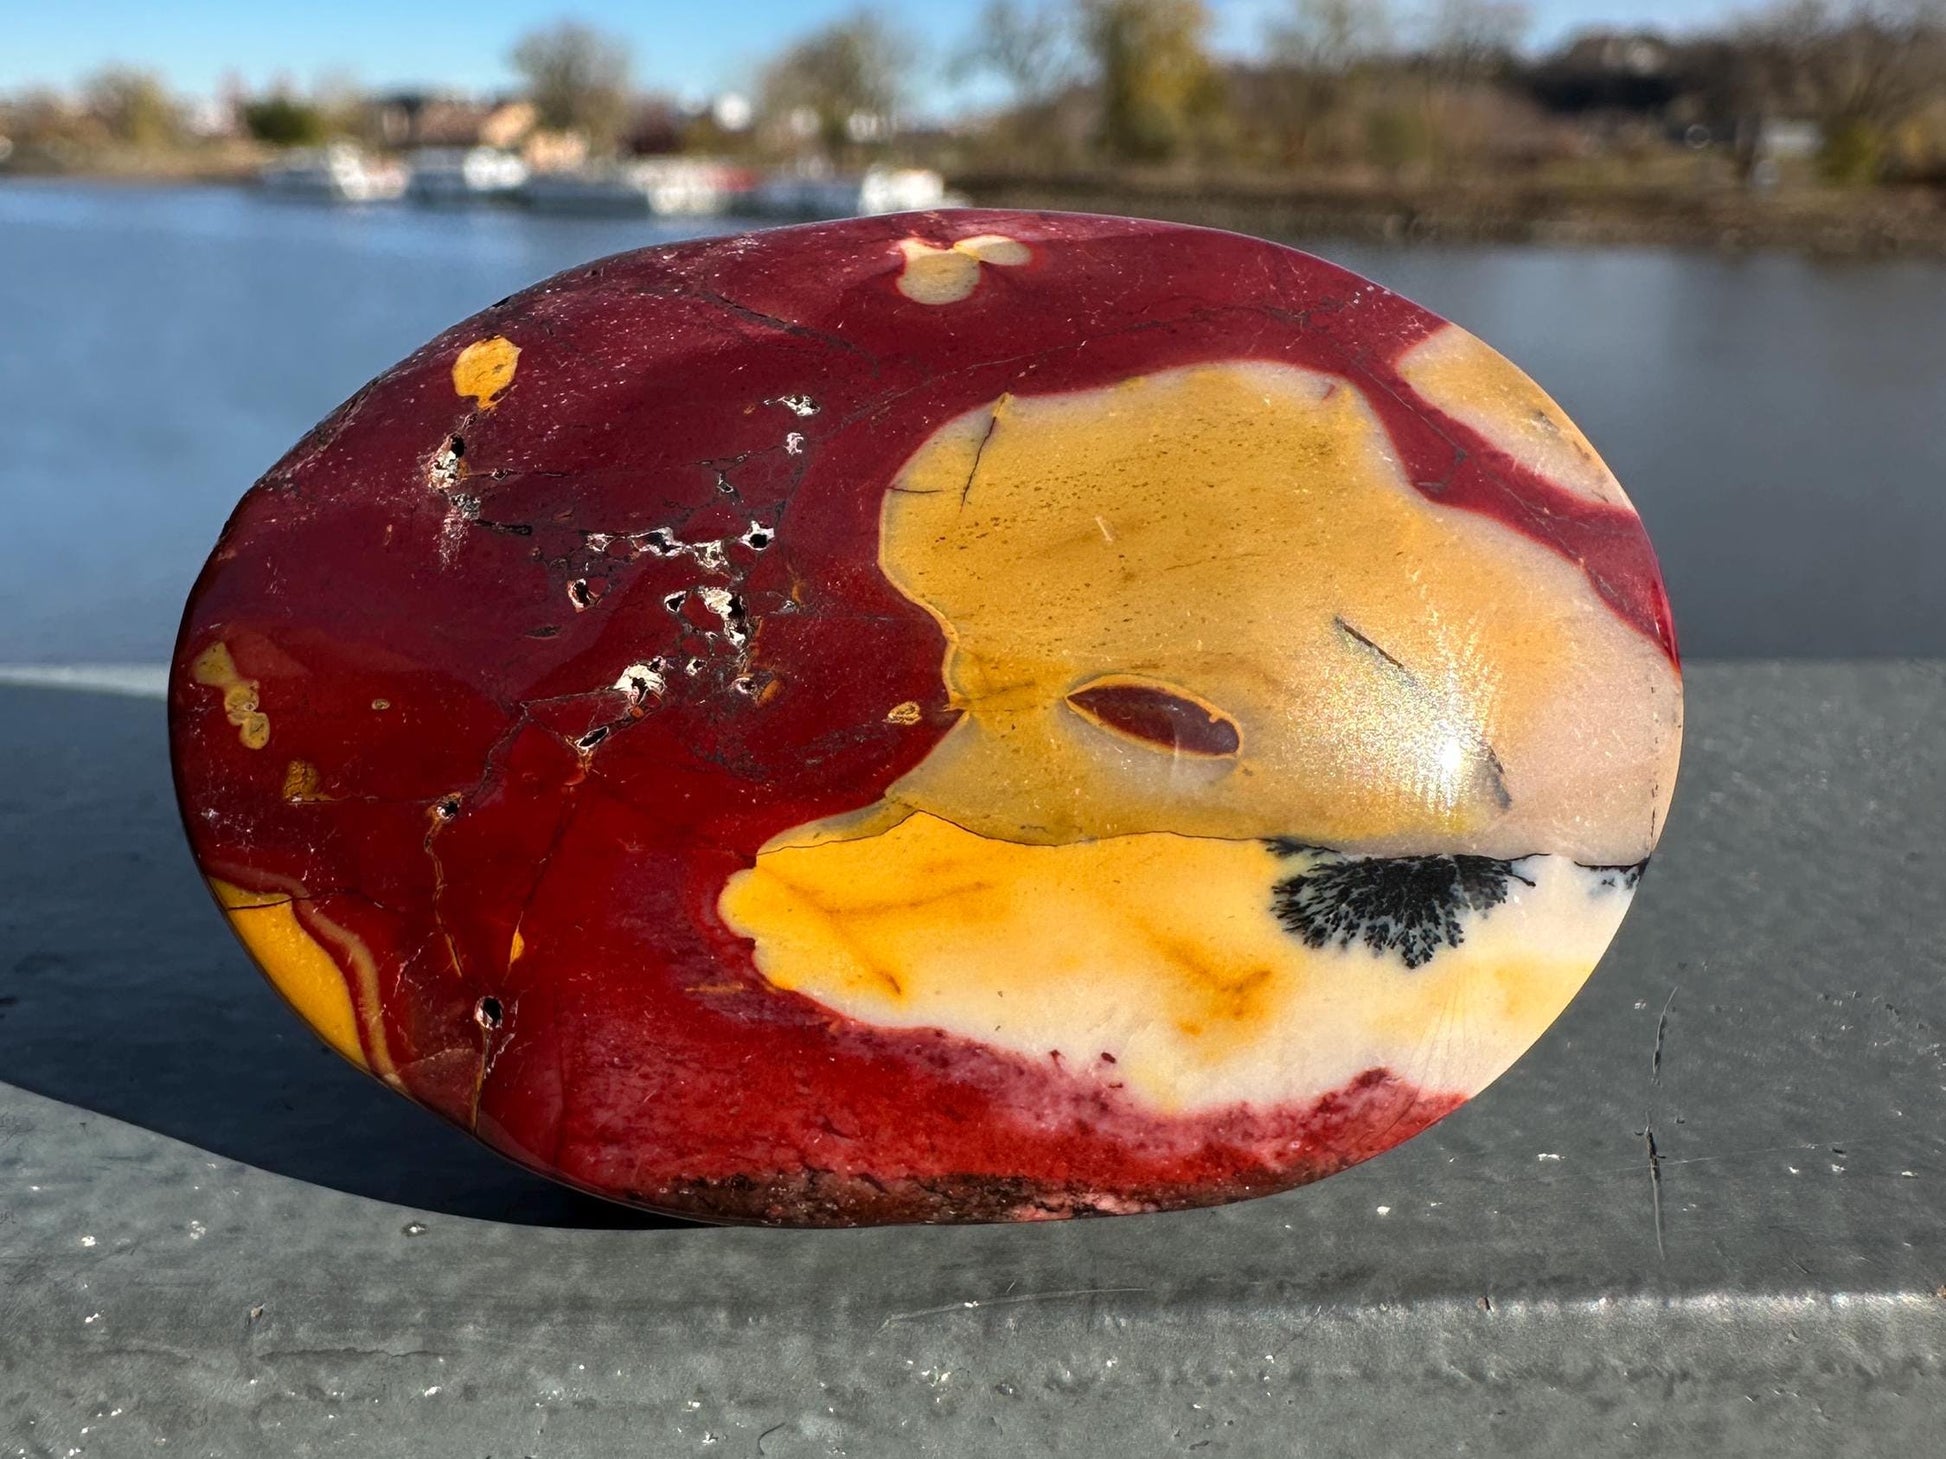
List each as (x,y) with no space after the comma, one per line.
(1779,421)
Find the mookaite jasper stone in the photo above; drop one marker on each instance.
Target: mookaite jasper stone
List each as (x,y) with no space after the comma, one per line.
(960,716)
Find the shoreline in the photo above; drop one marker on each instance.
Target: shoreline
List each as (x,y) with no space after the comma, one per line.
(1885,222)
(1865,223)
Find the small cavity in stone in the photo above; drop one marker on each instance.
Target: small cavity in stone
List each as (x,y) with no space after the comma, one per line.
(639,681)
(444,473)
(663,543)
(729,607)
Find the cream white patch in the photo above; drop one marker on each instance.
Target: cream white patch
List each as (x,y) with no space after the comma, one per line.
(1481,388)
(936,275)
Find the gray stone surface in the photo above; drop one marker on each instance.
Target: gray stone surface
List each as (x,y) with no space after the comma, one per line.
(216,1239)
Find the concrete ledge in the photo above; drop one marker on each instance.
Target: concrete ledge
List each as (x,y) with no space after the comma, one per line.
(215,1237)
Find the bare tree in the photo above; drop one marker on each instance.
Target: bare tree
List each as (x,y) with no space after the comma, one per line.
(1028,47)
(1468,40)
(1156,82)
(1730,81)
(1318,54)
(1330,37)
(1858,67)
(577,78)
(847,81)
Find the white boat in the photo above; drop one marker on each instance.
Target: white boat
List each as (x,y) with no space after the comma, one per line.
(901,190)
(659,186)
(875,190)
(464,174)
(339,173)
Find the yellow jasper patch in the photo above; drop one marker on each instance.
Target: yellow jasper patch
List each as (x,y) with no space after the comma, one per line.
(1239,540)
(215,668)
(296,964)
(485,368)
(1187,616)
(301,781)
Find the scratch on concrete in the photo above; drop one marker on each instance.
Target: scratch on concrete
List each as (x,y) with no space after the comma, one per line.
(1661,1030)
(1655,1187)
(974,1304)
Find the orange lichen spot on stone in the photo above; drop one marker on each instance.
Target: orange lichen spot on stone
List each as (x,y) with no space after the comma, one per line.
(301,781)
(906,713)
(485,368)
(936,275)
(297,965)
(1480,387)
(516,948)
(215,668)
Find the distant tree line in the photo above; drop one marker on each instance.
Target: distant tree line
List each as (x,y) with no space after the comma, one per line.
(1373,84)
(1420,88)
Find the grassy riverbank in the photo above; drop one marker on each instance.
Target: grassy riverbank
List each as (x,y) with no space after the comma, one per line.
(228,160)
(1864,222)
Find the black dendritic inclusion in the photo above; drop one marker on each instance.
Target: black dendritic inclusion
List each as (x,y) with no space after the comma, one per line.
(1410,905)
(1624,876)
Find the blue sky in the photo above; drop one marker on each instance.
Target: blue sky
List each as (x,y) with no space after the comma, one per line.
(686,46)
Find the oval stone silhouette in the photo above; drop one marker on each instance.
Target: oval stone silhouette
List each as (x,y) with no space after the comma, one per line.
(951,717)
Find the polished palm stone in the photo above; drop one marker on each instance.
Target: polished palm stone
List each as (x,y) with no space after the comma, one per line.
(960,716)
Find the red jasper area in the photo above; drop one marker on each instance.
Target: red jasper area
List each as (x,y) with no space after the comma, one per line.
(541,667)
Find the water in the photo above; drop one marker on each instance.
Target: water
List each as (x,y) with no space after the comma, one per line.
(1780,422)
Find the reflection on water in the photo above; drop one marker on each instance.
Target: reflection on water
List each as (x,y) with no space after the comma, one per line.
(1777,420)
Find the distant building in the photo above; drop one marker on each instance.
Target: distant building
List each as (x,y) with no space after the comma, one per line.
(1608,71)
(654,129)
(1632,53)
(412,119)
(545,151)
